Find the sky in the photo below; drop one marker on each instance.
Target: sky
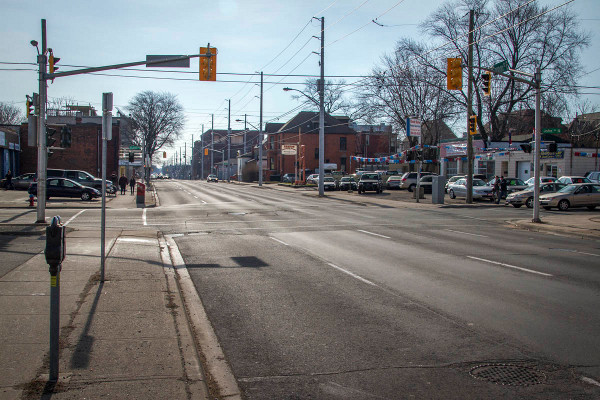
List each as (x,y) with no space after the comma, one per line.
(251,36)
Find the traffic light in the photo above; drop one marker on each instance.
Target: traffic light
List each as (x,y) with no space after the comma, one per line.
(164,154)
(473,125)
(65,136)
(29,106)
(131,156)
(53,61)
(208,65)
(206,151)
(486,82)
(552,147)
(526,147)
(454,73)
(50,140)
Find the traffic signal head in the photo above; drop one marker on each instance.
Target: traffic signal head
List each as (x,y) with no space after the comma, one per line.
(526,147)
(29,106)
(65,136)
(552,147)
(454,73)
(50,139)
(473,125)
(164,154)
(208,64)
(206,151)
(486,82)
(131,156)
(52,61)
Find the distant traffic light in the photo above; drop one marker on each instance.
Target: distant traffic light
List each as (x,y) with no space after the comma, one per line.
(206,151)
(473,125)
(65,136)
(30,109)
(208,65)
(131,156)
(52,61)
(164,154)
(486,82)
(526,147)
(50,140)
(454,73)
(552,147)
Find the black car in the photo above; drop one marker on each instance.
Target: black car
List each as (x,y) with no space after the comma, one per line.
(82,177)
(289,178)
(63,187)
(20,182)
(370,181)
(347,183)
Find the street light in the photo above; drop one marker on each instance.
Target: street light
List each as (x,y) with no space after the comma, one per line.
(287,89)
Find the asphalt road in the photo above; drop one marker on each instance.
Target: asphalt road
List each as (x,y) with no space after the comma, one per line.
(329,298)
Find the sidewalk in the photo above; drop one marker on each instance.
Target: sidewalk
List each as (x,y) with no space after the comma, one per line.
(126,337)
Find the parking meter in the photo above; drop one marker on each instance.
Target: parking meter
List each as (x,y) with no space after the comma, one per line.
(55,245)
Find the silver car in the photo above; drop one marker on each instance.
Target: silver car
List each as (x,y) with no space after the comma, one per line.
(525,197)
(480,189)
(573,195)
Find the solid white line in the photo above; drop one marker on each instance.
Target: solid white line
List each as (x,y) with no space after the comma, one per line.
(374,234)
(590,381)
(465,233)
(360,278)
(509,266)
(144,217)
(195,197)
(73,217)
(580,252)
(277,240)
(135,240)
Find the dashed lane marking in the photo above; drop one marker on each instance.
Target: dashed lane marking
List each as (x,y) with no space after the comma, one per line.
(280,241)
(144,217)
(374,234)
(510,266)
(352,274)
(466,233)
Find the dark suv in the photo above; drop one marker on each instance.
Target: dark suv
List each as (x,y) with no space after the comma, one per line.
(370,181)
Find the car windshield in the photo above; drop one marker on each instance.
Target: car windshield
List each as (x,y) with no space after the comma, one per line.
(346,179)
(568,189)
(328,179)
(478,182)
(370,176)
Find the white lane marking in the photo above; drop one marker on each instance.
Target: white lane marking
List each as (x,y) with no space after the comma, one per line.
(195,197)
(203,202)
(135,240)
(360,278)
(144,217)
(575,251)
(466,233)
(509,266)
(280,241)
(590,381)
(374,234)
(73,217)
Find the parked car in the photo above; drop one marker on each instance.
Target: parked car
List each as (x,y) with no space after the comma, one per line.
(481,190)
(329,183)
(573,179)
(63,187)
(517,199)
(409,180)
(451,180)
(512,184)
(593,176)
(20,182)
(212,178)
(347,183)
(573,195)
(543,179)
(312,178)
(426,183)
(82,177)
(288,178)
(394,182)
(370,181)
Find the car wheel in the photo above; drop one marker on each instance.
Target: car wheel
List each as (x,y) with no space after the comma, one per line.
(563,205)
(411,188)
(451,194)
(591,207)
(547,208)
(529,202)
(517,205)
(85,196)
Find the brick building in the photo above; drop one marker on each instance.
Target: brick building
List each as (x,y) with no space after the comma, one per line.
(218,137)
(85,152)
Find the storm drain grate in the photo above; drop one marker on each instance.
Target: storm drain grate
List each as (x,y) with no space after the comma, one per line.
(508,374)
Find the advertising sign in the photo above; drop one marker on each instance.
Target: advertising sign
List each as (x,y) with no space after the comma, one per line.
(413,127)
(288,149)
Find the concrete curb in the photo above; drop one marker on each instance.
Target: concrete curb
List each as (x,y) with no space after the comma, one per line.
(555,229)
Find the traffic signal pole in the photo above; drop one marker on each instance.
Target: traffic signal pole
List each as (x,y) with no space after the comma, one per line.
(41,131)
(469,199)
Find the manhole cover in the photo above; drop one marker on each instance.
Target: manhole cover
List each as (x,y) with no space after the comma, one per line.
(507,374)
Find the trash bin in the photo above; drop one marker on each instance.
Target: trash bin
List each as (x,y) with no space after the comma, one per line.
(438,184)
(141,193)
(421,192)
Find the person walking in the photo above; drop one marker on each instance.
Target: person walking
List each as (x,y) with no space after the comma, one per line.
(503,187)
(123,183)
(496,189)
(9,184)
(132,183)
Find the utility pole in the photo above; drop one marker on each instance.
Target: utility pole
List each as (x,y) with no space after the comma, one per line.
(537,80)
(212,144)
(470,110)
(202,153)
(107,105)
(228,140)
(41,131)
(322,113)
(192,159)
(245,131)
(260,135)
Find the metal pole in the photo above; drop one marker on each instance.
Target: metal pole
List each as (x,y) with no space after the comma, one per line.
(212,144)
(419,166)
(192,159)
(260,135)
(42,150)
(107,101)
(470,110)
(228,140)
(54,321)
(538,135)
(322,113)
(245,131)
(202,153)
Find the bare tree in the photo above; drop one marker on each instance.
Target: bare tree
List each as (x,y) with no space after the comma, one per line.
(10,115)
(520,32)
(157,120)
(334,100)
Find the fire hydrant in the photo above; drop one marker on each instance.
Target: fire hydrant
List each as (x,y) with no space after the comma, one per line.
(31,200)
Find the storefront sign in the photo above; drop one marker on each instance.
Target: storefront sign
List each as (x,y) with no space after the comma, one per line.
(544,155)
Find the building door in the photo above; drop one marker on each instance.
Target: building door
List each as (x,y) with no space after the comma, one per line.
(524,170)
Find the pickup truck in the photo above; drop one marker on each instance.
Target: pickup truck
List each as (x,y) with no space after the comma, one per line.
(370,181)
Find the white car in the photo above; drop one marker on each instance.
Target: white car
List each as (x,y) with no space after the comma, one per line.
(480,189)
(543,179)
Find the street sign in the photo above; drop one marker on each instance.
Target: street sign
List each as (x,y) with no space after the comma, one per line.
(185,63)
(135,148)
(288,149)
(413,127)
(500,67)
(555,131)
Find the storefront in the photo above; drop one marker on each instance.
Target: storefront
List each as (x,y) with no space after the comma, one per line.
(10,150)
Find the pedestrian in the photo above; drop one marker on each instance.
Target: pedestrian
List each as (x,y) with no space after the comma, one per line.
(503,187)
(9,184)
(113,178)
(132,183)
(496,189)
(123,183)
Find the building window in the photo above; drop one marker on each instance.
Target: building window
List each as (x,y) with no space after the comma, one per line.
(342,143)
(343,164)
(316,153)
(271,163)
(271,142)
